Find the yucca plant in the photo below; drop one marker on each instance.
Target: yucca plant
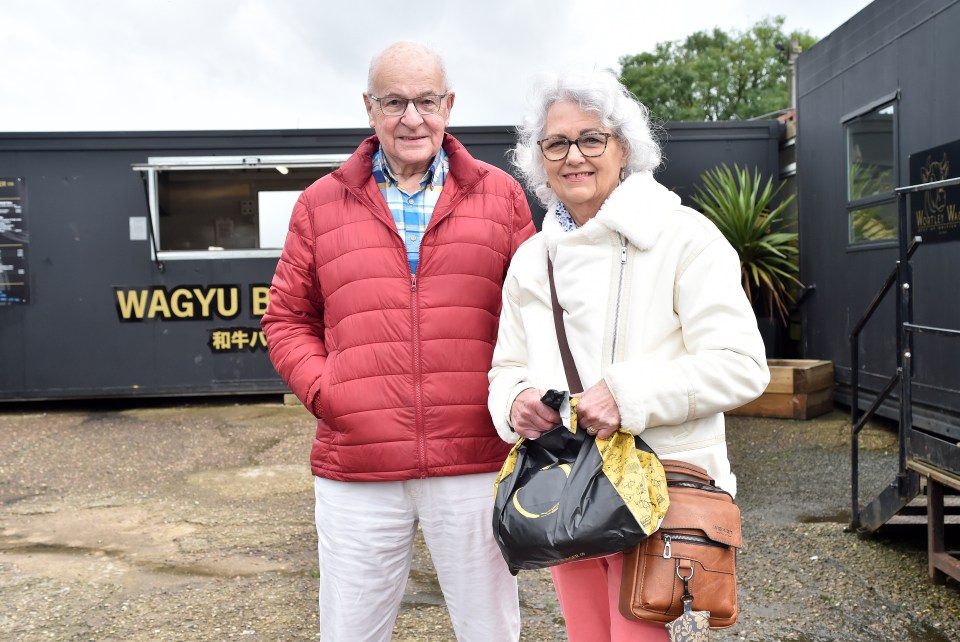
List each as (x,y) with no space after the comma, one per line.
(737,203)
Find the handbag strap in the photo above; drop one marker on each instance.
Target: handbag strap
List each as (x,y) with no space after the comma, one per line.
(676,469)
(569,367)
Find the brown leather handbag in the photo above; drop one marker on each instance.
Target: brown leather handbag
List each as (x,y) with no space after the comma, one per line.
(692,558)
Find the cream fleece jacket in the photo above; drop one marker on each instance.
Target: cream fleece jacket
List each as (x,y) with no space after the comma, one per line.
(653,305)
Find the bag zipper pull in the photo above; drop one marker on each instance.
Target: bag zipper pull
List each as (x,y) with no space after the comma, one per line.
(667,552)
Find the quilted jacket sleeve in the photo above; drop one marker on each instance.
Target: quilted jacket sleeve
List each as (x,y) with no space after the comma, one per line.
(508,375)
(293,322)
(522,222)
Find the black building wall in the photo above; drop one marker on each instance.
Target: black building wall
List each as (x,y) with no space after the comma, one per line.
(906,51)
(68,341)
(693,148)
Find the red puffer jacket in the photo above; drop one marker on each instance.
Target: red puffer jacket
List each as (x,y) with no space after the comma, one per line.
(395,367)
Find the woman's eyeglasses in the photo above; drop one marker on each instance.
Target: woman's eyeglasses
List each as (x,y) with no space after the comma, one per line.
(590,145)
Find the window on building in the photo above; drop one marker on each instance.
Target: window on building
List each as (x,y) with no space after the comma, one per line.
(871,175)
(226,207)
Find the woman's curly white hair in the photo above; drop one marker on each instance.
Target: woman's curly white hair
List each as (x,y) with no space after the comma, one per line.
(597,91)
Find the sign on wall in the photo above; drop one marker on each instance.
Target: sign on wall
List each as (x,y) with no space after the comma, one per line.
(219,303)
(935,213)
(14,285)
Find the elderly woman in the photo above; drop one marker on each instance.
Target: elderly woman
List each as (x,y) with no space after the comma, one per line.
(659,327)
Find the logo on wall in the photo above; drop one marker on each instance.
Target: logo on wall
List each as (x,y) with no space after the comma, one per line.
(935,212)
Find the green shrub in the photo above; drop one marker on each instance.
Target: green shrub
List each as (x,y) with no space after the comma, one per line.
(736,203)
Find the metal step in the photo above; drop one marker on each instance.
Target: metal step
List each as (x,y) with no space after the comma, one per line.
(889,503)
(920,520)
(915,512)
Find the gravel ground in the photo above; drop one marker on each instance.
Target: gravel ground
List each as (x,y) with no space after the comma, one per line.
(193,521)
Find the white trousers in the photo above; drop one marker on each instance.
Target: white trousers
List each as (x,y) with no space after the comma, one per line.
(365,536)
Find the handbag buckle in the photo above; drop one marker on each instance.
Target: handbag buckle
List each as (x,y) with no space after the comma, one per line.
(687,596)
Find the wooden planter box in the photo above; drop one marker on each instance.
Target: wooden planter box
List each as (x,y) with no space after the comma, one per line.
(798,389)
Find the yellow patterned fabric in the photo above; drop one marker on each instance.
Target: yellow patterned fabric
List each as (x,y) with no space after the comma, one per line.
(508,465)
(636,475)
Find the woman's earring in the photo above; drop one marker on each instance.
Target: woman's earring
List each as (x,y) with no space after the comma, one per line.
(623,173)
(548,185)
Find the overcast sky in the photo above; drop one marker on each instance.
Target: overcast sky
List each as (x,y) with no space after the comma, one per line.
(123,65)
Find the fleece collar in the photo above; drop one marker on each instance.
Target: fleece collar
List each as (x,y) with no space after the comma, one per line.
(638,209)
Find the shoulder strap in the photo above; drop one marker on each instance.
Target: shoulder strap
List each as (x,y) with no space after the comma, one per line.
(569,367)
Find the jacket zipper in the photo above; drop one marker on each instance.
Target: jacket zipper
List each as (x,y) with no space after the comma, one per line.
(417,383)
(415,325)
(415,319)
(686,539)
(616,316)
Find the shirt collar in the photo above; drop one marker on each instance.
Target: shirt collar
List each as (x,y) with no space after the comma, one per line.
(564,218)
(434,176)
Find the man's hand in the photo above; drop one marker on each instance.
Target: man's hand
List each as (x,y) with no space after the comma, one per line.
(597,411)
(530,416)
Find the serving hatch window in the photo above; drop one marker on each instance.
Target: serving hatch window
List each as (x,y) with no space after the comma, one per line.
(226,207)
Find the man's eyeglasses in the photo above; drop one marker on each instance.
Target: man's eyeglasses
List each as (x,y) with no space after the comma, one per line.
(591,145)
(397,105)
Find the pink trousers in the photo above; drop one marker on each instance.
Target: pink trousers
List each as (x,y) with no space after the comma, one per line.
(589,594)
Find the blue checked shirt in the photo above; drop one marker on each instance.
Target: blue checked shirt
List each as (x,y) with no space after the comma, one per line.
(411,212)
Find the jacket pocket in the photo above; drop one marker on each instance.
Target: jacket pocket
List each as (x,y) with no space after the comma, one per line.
(324,394)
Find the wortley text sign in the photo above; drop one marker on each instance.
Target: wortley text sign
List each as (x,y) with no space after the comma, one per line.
(935,213)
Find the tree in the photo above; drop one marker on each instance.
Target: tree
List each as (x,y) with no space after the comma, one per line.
(716,75)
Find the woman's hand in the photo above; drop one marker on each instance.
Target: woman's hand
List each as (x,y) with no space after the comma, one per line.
(530,416)
(597,411)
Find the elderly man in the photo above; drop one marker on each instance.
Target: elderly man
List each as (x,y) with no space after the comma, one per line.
(382,320)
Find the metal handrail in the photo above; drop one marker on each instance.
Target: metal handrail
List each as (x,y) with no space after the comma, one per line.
(922,187)
(858,421)
(891,278)
(928,329)
(868,414)
(903,274)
